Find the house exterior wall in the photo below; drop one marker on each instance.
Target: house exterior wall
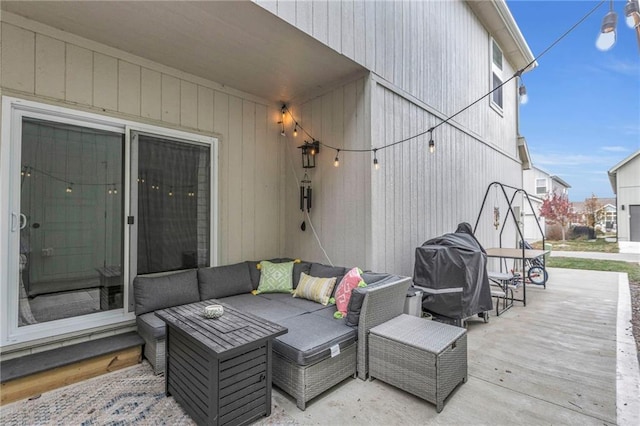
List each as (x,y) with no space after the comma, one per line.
(628,193)
(416,81)
(47,65)
(341,207)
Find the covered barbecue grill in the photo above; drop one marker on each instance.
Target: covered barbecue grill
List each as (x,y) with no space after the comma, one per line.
(452,272)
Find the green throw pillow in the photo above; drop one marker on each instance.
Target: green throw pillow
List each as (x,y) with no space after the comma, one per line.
(275,277)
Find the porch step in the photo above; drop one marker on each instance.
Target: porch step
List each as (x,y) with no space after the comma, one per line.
(30,375)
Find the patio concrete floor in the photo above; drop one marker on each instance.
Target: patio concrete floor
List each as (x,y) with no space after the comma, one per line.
(565,358)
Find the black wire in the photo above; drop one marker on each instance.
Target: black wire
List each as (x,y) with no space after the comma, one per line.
(431,129)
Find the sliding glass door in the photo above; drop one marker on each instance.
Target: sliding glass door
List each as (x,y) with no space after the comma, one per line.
(71,231)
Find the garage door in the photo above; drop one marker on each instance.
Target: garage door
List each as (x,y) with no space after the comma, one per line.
(634,223)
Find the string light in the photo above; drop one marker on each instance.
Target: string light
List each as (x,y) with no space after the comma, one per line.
(336,162)
(70,187)
(295,130)
(171,192)
(281,122)
(517,74)
(375,160)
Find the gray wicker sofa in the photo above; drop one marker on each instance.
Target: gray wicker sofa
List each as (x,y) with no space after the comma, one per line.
(318,351)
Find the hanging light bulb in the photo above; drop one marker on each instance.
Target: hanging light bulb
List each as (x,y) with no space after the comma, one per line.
(110,191)
(607,37)
(632,13)
(171,192)
(115,190)
(70,187)
(336,162)
(375,160)
(432,144)
(295,130)
(28,171)
(282,132)
(522,91)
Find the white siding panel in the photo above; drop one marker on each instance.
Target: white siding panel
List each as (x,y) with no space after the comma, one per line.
(348,21)
(205,108)
(304,16)
(105,82)
(18,53)
(79,75)
(320,21)
(221,126)
(50,65)
(170,99)
(188,104)
(151,94)
(248,180)
(234,181)
(128,88)
(287,11)
(335,25)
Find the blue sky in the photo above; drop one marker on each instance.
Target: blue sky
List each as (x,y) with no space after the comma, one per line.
(583,114)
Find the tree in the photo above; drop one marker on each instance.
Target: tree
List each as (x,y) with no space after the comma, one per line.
(557,209)
(593,210)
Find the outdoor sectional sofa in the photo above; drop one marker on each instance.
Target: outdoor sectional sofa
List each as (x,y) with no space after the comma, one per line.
(318,352)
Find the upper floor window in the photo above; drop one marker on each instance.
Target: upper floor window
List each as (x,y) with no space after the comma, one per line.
(541,186)
(496,75)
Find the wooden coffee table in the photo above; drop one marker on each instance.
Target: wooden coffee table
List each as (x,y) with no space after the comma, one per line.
(219,370)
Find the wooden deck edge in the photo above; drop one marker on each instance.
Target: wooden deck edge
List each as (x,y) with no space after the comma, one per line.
(35,384)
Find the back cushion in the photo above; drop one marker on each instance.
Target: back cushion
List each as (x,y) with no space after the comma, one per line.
(224,281)
(297,269)
(159,292)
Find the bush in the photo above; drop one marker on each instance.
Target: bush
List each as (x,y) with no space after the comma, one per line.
(582,232)
(553,232)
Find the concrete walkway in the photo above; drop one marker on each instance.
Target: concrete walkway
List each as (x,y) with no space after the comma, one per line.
(565,358)
(625,257)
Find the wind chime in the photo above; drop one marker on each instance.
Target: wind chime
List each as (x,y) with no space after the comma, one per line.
(305,198)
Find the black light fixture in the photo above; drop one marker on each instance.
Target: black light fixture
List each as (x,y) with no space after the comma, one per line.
(309,152)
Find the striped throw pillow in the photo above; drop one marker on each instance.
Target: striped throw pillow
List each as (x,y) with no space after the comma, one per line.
(315,289)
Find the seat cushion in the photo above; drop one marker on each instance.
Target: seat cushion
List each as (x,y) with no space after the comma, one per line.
(164,291)
(151,327)
(224,281)
(304,304)
(271,310)
(311,337)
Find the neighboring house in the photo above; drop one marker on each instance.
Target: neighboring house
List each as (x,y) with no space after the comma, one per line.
(539,184)
(605,215)
(625,181)
(143,137)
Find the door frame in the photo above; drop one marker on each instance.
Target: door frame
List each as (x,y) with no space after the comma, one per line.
(13,109)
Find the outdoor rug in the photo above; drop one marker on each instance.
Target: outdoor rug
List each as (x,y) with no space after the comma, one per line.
(129,396)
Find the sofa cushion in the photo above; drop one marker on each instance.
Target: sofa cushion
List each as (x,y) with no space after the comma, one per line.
(151,327)
(372,277)
(163,291)
(275,277)
(351,280)
(298,267)
(224,281)
(314,288)
(311,337)
(271,310)
(304,304)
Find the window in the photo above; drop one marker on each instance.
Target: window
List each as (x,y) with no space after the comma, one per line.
(541,186)
(496,75)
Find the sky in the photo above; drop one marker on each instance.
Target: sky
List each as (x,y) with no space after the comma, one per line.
(583,113)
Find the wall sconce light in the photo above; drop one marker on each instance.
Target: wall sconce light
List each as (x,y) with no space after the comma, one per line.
(305,193)
(309,151)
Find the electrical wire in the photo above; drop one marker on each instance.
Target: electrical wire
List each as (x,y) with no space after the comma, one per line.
(431,129)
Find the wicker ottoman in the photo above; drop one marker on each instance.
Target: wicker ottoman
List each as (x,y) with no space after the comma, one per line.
(425,358)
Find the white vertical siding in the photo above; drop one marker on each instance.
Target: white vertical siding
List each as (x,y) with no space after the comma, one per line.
(340,195)
(628,193)
(407,44)
(46,65)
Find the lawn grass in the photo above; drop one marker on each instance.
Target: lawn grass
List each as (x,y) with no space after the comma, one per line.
(596,265)
(599,245)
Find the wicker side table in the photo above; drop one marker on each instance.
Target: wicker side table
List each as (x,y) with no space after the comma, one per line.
(425,358)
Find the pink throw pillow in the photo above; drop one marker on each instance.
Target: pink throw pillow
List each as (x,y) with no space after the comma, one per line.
(351,280)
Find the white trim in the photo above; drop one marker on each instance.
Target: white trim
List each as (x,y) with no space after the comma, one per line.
(13,109)
(627,372)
